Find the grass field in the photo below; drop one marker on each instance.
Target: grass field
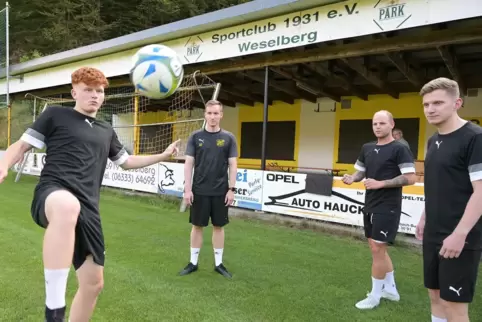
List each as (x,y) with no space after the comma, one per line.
(280,273)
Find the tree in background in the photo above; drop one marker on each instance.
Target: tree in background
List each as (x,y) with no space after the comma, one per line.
(44,27)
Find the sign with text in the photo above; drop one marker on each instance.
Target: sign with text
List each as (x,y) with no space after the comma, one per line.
(247,194)
(358,18)
(249,189)
(285,193)
(275,192)
(143,179)
(324,23)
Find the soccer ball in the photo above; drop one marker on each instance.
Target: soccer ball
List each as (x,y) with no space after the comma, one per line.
(156,71)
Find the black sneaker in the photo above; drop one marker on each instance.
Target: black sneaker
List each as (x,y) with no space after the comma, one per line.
(57,315)
(222,270)
(188,269)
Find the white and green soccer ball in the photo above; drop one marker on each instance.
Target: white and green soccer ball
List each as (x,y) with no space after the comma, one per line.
(156,71)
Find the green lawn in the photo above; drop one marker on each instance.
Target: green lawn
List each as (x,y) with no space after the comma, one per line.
(280,273)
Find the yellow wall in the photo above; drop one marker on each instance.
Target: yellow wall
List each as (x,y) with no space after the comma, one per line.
(152,117)
(408,106)
(317,125)
(148,118)
(279,111)
(179,131)
(471,118)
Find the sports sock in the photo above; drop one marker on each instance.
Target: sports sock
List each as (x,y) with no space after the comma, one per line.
(218,256)
(195,255)
(390,282)
(436,319)
(55,287)
(377,287)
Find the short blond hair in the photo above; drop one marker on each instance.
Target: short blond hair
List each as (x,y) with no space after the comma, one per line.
(214,102)
(445,84)
(387,113)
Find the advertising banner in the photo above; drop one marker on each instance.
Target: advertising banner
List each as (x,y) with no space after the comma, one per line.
(285,193)
(320,24)
(249,189)
(144,179)
(248,193)
(34,164)
(342,20)
(171,179)
(276,192)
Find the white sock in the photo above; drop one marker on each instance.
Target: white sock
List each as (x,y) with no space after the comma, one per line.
(55,287)
(377,287)
(390,282)
(195,255)
(436,319)
(218,256)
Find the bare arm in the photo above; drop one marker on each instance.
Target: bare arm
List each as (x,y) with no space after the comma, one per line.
(188,168)
(358,176)
(407,170)
(233,171)
(473,210)
(400,181)
(14,154)
(140,161)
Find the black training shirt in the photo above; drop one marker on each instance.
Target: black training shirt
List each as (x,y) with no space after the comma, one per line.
(452,163)
(211,152)
(77,150)
(384,162)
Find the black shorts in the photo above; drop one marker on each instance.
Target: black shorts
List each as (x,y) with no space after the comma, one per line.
(381,227)
(456,278)
(205,207)
(89,238)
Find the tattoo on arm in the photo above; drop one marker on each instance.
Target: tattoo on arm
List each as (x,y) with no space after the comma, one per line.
(358,176)
(399,181)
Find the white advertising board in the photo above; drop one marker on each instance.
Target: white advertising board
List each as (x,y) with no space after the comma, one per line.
(171,179)
(269,191)
(324,23)
(33,164)
(249,189)
(284,193)
(357,18)
(248,192)
(144,179)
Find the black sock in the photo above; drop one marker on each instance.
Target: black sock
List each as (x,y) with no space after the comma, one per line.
(56,315)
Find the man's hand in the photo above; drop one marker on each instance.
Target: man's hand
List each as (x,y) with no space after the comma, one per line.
(173,148)
(372,184)
(419,229)
(229,198)
(453,245)
(188,198)
(347,179)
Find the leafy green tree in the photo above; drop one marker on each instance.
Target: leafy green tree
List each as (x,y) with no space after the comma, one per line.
(44,27)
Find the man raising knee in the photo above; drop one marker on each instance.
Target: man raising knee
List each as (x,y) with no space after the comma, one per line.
(212,152)
(387,165)
(66,198)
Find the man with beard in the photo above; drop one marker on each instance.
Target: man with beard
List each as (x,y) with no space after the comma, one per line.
(387,166)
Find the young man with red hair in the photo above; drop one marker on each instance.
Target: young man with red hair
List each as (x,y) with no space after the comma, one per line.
(66,199)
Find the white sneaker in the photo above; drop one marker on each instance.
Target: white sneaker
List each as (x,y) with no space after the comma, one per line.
(391,295)
(369,303)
